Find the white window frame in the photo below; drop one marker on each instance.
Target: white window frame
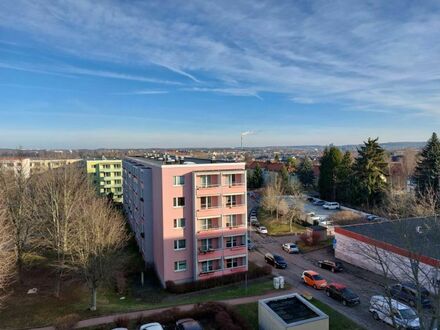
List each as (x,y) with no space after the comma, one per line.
(177,244)
(231,221)
(178,180)
(206,223)
(232,260)
(178,266)
(233,242)
(176,202)
(206,244)
(206,181)
(177,223)
(209,267)
(208,203)
(231,200)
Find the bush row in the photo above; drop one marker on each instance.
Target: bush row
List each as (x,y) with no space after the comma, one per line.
(254,271)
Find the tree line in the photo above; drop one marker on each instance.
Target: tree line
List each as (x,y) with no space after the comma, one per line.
(57,214)
(364,181)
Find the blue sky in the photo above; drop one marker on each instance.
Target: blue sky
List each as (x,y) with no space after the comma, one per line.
(87,74)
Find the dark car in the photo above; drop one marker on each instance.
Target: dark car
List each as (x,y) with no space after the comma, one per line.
(407,292)
(334,266)
(342,293)
(275,260)
(188,324)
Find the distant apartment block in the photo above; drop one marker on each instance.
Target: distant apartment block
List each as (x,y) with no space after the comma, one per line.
(16,165)
(106,176)
(189,216)
(31,166)
(42,165)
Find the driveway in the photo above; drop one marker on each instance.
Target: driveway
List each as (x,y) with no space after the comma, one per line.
(298,263)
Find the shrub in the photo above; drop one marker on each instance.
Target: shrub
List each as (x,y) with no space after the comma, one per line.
(66,322)
(121,282)
(122,322)
(253,272)
(346,217)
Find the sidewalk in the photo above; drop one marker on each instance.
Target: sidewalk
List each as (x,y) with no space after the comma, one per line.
(134,315)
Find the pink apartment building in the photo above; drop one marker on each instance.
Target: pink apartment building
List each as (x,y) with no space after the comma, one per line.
(189,216)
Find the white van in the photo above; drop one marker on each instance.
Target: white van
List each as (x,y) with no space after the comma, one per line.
(331,206)
(404,316)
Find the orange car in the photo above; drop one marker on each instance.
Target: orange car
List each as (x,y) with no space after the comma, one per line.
(313,279)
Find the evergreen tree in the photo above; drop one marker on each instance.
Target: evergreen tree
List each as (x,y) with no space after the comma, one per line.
(305,173)
(370,172)
(344,179)
(284,174)
(330,162)
(258,179)
(427,172)
(291,164)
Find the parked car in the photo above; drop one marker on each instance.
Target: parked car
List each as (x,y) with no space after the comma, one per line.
(313,279)
(372,217)
(290,248)
(255,224)
(342,293)
(262,230)
(275,260)
(334,266)
(319,202)
(250,245)
(188,324)
(407,292)
(151,326)
(403,315)
(253,218)
(311,199)
(326,223)
(331,206)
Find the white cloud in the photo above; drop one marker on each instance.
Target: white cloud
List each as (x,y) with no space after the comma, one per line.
(366,55)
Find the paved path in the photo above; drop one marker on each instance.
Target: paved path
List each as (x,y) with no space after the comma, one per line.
(134,315)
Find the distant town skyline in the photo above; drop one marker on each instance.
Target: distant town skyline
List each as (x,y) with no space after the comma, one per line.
(119,74)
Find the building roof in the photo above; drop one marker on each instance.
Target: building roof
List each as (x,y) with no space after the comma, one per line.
(159,161)
(293,309)
(418,235)
(269,166)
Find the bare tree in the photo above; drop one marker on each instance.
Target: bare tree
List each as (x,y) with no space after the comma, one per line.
(273,197)
(99,235)
(7,255)
(17,202)
(61,194)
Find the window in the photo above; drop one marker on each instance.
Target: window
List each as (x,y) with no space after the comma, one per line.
(178,180)
(107,174)
(180,266)
(179,201)
(206,202)
(179,223)
(231,263)
(206,224)
(231,200)
(118,173)
(179,244)
(205,181)
(118,181)
(206,244)
(231,179)
(117,166)
(207,266)
(231,241)
(231,220)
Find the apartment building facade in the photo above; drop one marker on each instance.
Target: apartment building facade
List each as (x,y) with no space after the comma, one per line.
(17,165)
(106,176)
(189,217)
(42,165)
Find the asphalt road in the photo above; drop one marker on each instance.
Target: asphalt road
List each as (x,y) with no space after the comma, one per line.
(298,263)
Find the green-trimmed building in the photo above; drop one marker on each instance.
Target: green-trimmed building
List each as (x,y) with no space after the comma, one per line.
(106,175)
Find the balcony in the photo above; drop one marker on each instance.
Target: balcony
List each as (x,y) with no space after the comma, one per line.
(208,184)
(209,254)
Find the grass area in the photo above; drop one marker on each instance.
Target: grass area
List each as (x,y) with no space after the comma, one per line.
(277,227)
(24,311)
(337,320)
(250,313)
(308,248)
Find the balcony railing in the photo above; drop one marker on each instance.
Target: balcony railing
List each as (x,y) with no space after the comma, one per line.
(209,207)
(233,184)
(209,228)
(212,185)
(210,271)
(231,205)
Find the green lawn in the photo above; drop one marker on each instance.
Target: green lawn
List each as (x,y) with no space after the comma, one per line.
(277,227)
(337,320)
(35,311)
